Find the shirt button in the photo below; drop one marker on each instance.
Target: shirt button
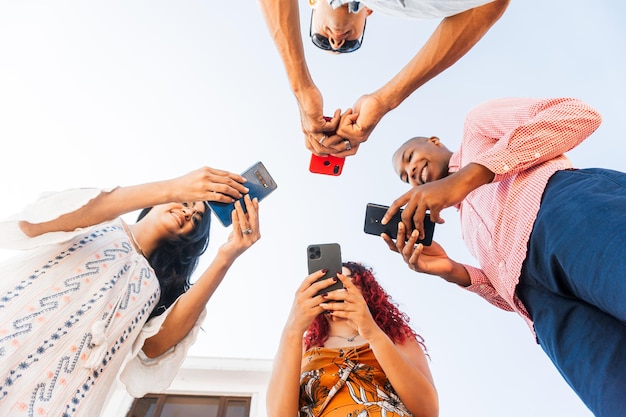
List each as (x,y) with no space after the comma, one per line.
(501,264)
(505,168)
(537,155)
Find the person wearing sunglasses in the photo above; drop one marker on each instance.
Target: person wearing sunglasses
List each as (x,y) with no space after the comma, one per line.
(338,26)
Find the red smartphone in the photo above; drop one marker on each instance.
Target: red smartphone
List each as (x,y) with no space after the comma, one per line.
(327,165)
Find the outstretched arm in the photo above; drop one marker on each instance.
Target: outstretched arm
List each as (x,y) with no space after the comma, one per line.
(283,21)
(452,39)
(199,185)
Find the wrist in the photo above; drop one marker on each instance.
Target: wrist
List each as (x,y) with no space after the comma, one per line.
(386,99)
(375,337)
(457,275)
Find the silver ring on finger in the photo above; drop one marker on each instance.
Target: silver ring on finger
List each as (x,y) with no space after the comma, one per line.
(247,231)
(321,140)
(348,145)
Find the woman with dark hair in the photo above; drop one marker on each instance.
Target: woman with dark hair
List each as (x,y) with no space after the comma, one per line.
(92,295)
(349,352)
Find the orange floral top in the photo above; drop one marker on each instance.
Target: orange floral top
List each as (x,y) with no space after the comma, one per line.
(346,382)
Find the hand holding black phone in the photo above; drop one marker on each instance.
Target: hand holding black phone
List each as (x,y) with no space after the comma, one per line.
(374,214)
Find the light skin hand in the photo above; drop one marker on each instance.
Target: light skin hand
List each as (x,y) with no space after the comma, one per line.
(238,242)
(358,122)
(208,184)
(313,122)
(329,142)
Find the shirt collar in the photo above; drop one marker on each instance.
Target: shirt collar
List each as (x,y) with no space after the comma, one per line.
(455,162)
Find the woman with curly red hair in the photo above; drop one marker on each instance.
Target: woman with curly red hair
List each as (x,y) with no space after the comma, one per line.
(349,352)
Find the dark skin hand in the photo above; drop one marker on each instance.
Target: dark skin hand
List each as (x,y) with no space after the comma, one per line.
(437,195)
(432,260)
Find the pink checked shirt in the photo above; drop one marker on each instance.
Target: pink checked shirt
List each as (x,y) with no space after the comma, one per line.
(522,141)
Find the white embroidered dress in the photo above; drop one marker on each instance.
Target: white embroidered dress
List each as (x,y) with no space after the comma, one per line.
(73,311)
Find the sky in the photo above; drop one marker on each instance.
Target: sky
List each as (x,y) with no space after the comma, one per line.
(125,92)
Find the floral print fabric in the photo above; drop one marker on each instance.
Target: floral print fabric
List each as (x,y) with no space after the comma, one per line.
(346,382)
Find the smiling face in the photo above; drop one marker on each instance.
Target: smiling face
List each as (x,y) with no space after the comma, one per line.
(180,219)
(420,160)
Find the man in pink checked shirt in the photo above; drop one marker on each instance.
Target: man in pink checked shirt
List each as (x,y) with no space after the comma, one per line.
(549,238)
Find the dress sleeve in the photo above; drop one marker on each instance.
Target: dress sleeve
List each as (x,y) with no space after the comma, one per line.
(48,207)
(142,375)
(523,133)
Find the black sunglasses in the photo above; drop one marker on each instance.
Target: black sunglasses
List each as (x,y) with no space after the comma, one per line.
(322,42)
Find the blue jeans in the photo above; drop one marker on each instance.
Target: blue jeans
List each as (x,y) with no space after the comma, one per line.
(573,284)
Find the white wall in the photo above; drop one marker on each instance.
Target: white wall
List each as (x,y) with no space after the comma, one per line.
(208,376)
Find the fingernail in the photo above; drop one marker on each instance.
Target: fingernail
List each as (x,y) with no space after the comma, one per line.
(324,270)
(325,295)
(335,279)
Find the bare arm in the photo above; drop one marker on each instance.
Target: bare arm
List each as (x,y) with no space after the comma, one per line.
(198,185)
(185,312)
(407,370)
(283,21)
(404,365)
(452,39)
(283,389)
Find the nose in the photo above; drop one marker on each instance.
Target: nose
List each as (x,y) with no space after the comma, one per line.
(336,41)
(189,211)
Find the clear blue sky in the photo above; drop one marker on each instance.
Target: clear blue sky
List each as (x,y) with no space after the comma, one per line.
(118,92)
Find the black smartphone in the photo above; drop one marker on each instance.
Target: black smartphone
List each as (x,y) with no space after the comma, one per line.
(325,256)
(374,214)
(260,184)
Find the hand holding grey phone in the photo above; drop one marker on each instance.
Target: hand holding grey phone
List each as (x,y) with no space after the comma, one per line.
(374,214)
(259,183)
(325,256)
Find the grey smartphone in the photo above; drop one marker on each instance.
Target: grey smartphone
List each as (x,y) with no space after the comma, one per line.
(260,184)
(325,256)
(374,214)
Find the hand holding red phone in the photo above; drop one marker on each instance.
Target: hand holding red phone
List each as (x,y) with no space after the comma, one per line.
(326,164)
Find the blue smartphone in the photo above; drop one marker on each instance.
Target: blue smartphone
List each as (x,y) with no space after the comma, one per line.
(260,184)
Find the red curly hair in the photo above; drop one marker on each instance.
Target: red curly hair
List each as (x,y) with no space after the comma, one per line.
(385,312)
